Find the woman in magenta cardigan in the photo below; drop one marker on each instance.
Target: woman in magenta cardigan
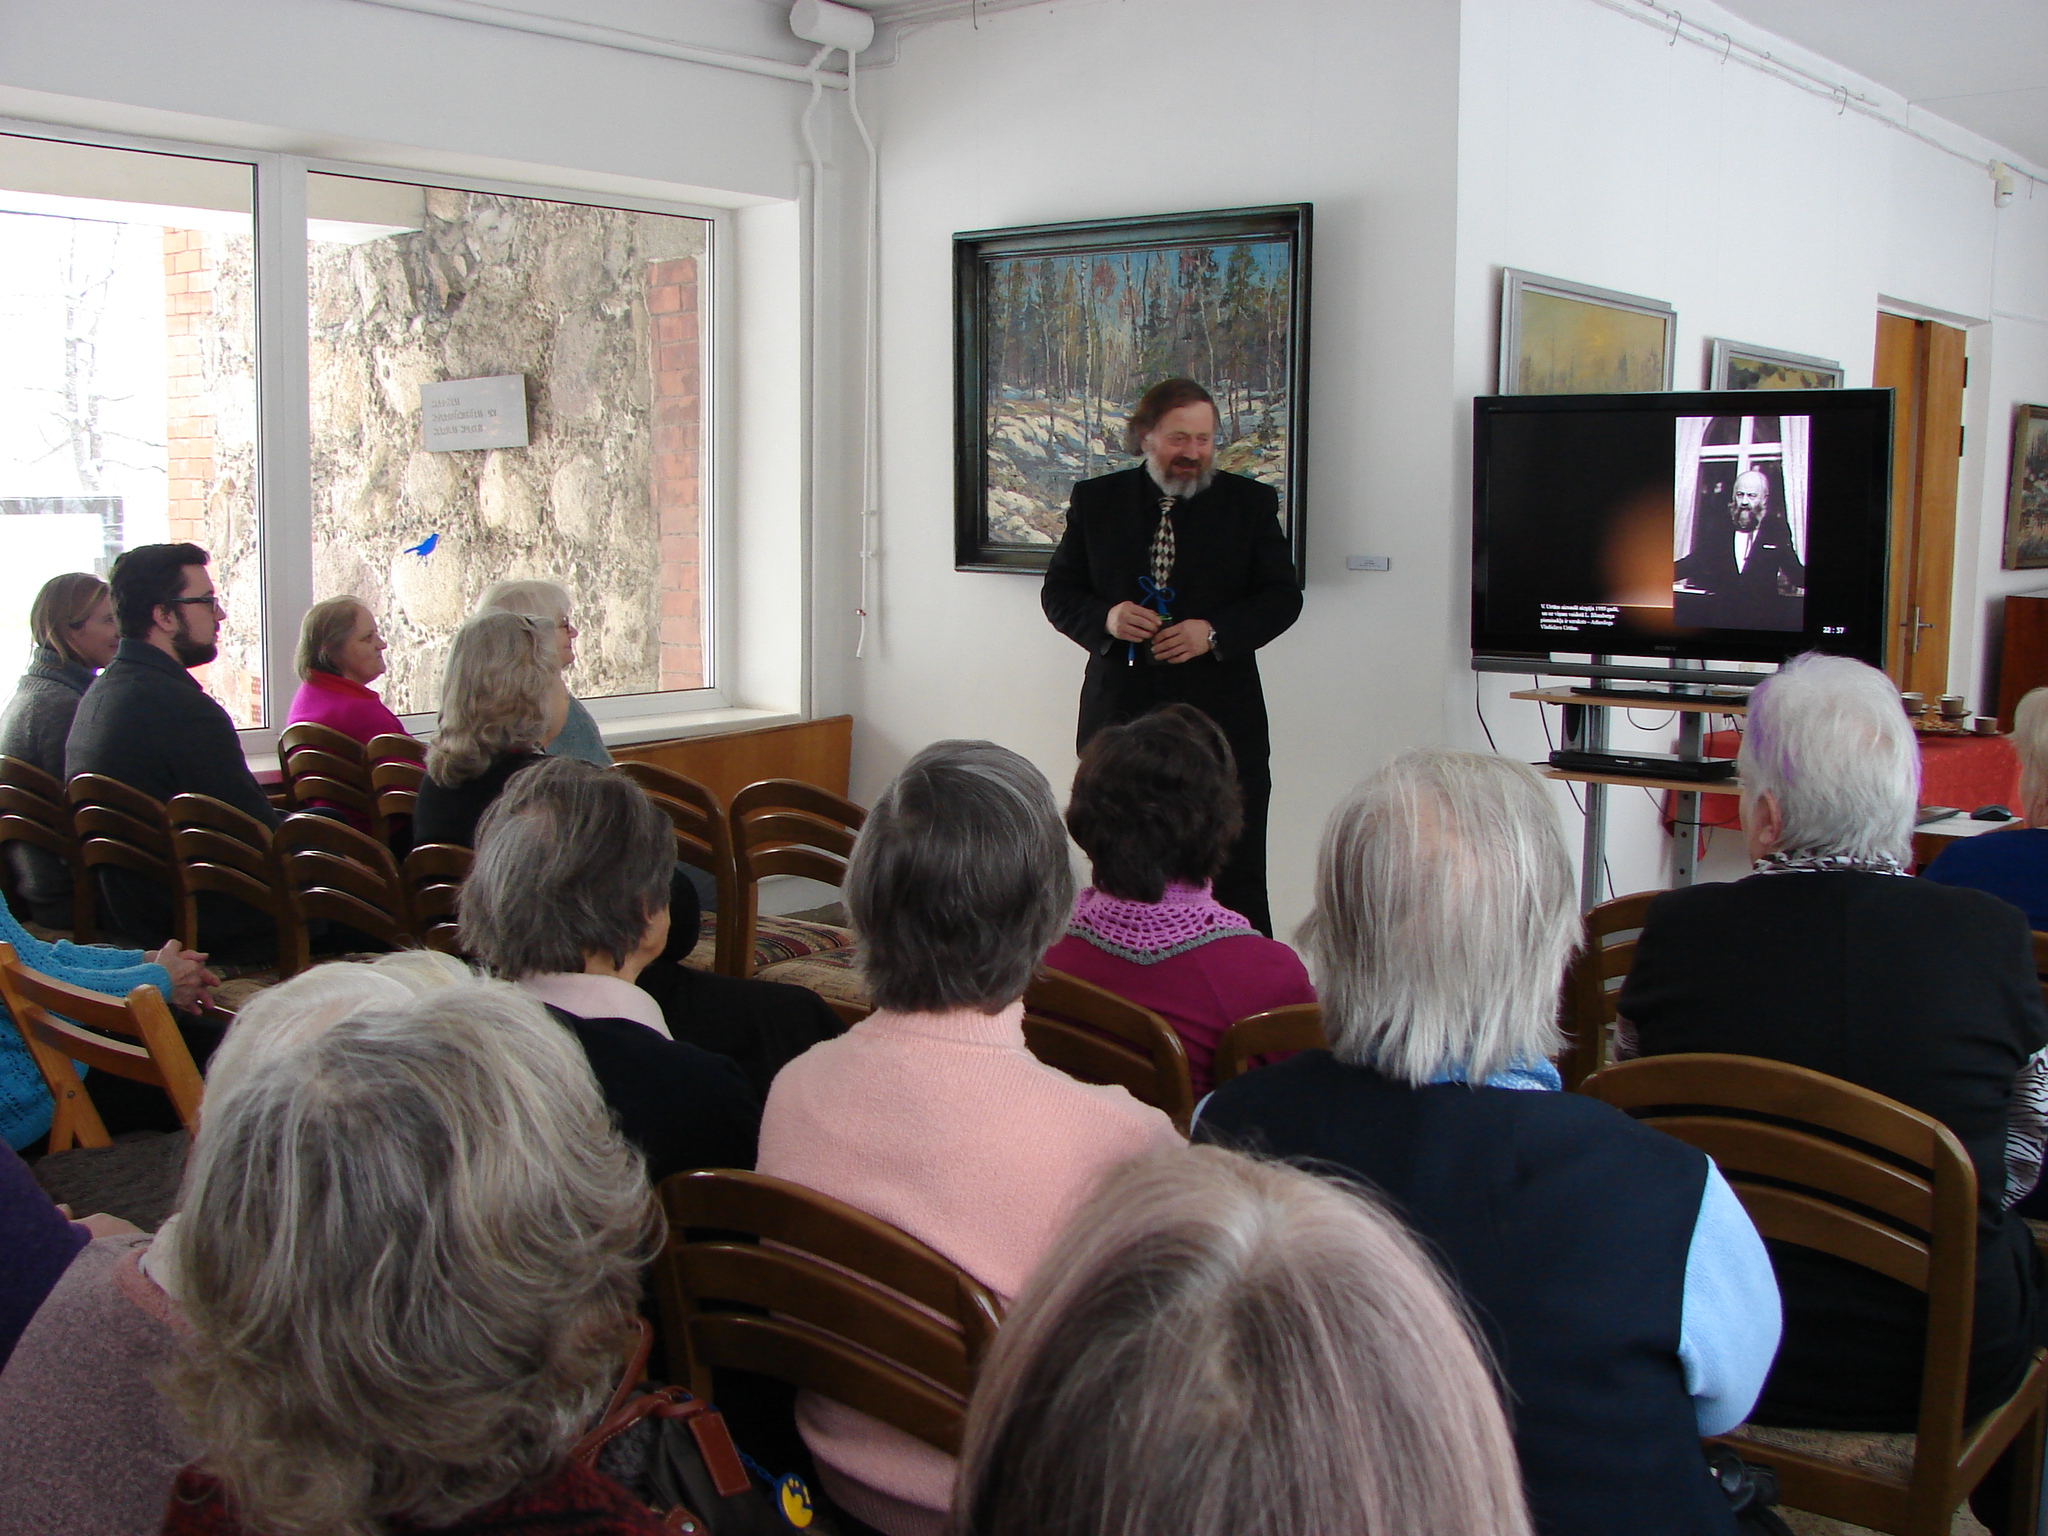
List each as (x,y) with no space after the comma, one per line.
(1155,808)
(340,654)
(931,1113)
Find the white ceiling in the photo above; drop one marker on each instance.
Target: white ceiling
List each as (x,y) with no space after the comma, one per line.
(1980,63)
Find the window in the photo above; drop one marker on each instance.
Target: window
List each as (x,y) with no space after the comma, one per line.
(147,292)
(128,406)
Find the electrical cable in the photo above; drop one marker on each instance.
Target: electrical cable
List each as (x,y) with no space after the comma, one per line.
(871,368)
(1481,713)
(1606,868)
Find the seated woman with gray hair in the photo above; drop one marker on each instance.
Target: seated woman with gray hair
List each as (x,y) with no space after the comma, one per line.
(1218,1345)
(341,653)
(572,893)
(1622,1288)
(1829,956)
(548,603)
(409,1269)
(931,1113)
(2011,862)
(106,1459)
(502,702)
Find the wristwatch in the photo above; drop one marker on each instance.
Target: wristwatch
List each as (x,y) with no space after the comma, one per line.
(1212,642)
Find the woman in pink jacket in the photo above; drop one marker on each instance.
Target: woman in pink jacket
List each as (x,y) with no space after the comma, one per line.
(340,655)
(931,1113)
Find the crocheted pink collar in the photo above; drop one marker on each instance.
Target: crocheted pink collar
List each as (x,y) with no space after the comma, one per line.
(1146,932)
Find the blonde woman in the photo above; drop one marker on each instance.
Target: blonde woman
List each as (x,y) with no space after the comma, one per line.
(2012,861)
(502,702)
(1217,1346)
(548,602)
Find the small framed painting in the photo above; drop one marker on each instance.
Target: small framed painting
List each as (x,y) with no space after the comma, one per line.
(2026,508)
(1058,329)
(1565,338)
(1737,365)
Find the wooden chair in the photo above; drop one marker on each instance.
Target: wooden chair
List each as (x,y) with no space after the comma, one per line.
(1848,1172)
(433,874)
(321,738)
(397,786)
(394,748)
(122,828)
(1592,985)
(703,835)
(227,851)
(35,810)
(1098,1037)
(837,1301)
(332,872)
(316,778)
(63,1024)
(1297,1027)
(781,827)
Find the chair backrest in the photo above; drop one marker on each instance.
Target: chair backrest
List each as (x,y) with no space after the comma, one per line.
(331,871)
(1094,1035)
(227,851)
(320,738)
(781,827)
(391,747)
(1839,1169)
(703,837)
(433,875)
(1592,984)
(63,1024)
(34,809)
(121,828)
(836,1301)
(397,784)
(1297,1027)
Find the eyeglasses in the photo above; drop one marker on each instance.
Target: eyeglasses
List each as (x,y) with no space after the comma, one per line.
(211,599)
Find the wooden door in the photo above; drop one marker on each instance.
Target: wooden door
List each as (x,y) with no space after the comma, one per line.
(1923,362)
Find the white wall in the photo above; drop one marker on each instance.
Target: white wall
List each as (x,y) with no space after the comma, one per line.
(1087,110)
(1592,149)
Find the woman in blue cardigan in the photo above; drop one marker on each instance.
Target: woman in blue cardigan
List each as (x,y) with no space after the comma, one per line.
(180,974)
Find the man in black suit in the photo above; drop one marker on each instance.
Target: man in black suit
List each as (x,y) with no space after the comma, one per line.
(1744,571)
(1171,575)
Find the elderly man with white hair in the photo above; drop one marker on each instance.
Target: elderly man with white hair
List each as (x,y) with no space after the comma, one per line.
(1830,957)
(1621,1286)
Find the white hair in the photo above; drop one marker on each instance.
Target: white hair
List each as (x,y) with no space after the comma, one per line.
(1443,916)
(547,601)
(1829,742)
(2030,740)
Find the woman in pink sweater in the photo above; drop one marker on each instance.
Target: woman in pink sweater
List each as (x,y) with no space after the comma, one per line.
(931,1114)
(340,655)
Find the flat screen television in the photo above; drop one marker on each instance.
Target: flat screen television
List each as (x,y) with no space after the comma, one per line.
(1742,525)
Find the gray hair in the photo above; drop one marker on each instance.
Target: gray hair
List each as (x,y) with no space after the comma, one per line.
(571,860)
(1829,742)
(959,882)
(410,1266)
(1217,1345)
(1443,917)
(2030,740)
(324,631)
(495,691)
(547,601)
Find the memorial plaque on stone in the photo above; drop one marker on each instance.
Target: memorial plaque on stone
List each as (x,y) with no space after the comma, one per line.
(474,413)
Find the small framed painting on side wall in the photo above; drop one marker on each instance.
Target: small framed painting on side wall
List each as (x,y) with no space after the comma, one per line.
(2026,508)
(1737,365)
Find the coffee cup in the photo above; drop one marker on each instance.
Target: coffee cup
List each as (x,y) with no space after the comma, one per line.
(1987,725)
(1915,703)
(1954,707)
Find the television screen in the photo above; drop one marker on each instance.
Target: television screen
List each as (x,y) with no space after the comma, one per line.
(1744,525)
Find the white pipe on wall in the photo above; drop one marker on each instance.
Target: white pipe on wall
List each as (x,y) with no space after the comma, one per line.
(609,37)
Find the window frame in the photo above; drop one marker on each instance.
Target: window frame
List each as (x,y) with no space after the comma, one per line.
(284,475)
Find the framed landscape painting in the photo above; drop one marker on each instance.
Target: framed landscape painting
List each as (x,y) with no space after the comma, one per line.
(1736,365)
(2026,511)
(1565,338)
(1058,329)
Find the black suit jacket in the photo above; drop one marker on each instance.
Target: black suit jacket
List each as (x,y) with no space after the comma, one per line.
(1233,568)
(1924,993)
(1774,567)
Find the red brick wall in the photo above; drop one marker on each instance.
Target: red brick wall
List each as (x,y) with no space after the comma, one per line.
(678,428)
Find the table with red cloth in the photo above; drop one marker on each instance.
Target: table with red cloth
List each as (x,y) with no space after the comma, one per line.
(1963,771)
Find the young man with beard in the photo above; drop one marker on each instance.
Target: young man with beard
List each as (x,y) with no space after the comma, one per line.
(146,722)
(1171,575)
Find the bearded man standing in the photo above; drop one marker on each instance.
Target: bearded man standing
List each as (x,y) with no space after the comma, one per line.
(1171,575)
(146,722)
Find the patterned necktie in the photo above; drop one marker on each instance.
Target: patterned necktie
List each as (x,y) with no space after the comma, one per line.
(1162,544)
